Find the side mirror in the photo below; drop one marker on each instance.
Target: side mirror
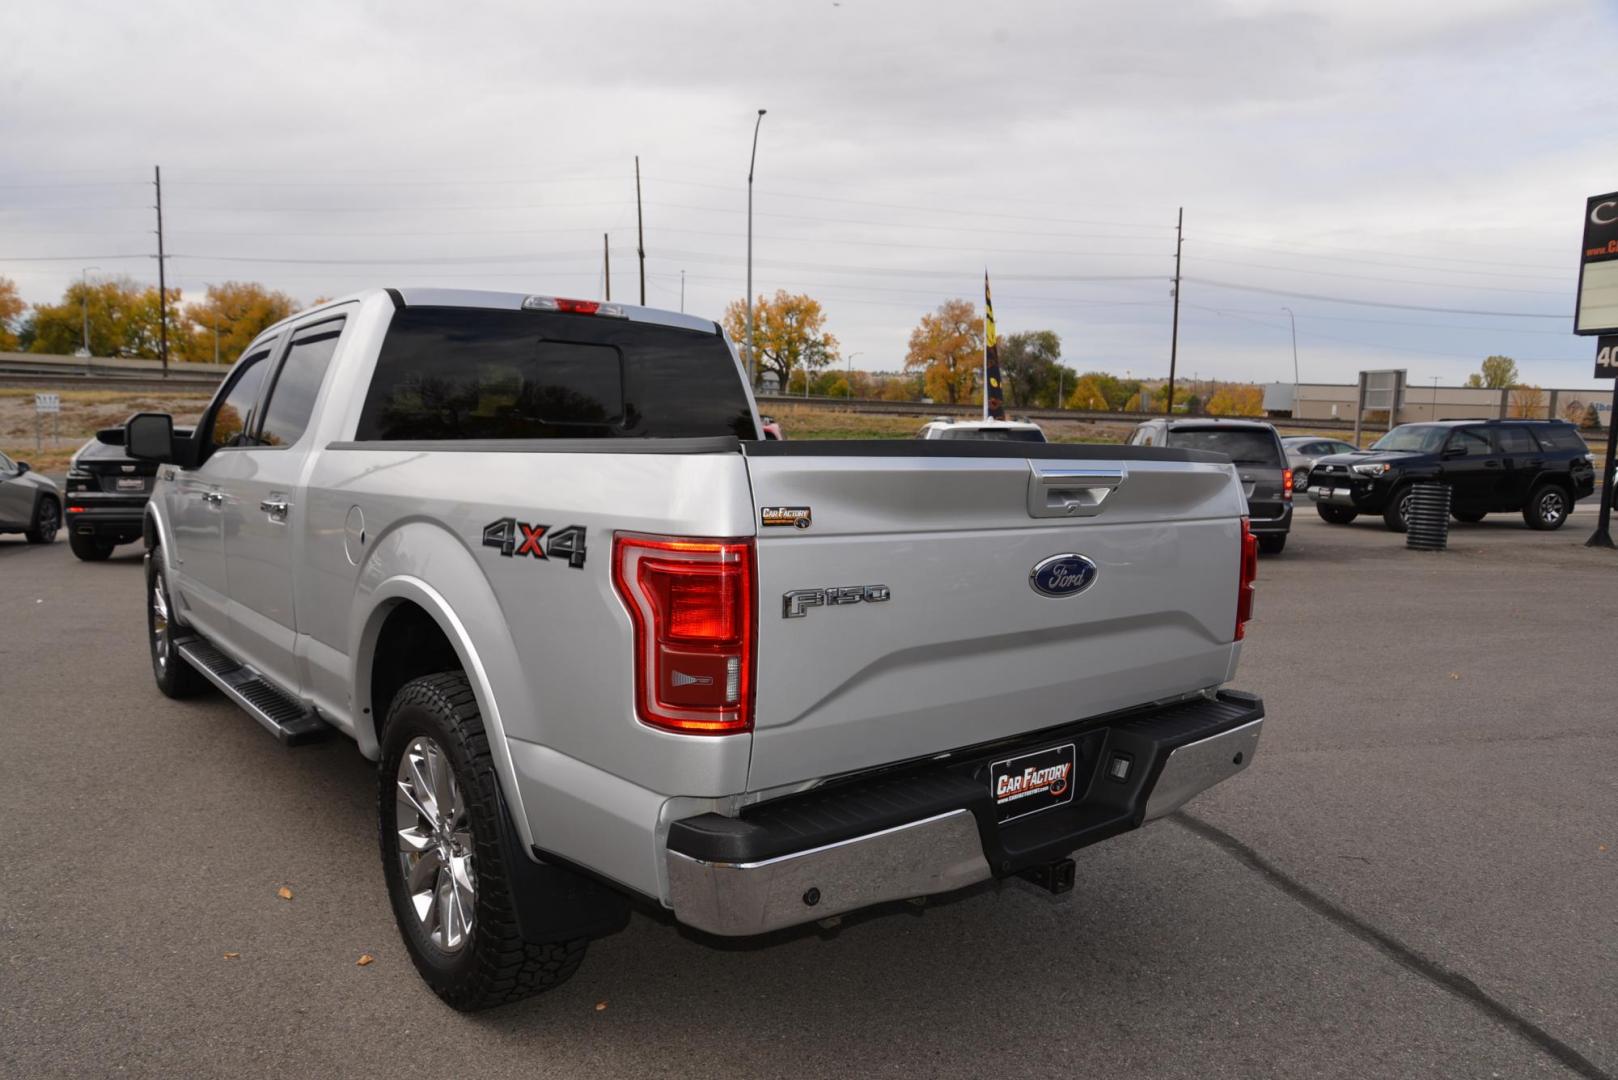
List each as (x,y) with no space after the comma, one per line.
(22,467)
(150,437)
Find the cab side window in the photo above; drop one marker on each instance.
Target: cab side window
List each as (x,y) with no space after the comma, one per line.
(232,417)
(1471,442)
(292,398)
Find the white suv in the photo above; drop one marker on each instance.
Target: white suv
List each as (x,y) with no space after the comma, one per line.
(990,430)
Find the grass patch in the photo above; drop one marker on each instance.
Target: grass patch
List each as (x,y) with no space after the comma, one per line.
(818,423)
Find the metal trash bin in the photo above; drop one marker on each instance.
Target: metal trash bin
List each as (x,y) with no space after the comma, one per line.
(1429,517)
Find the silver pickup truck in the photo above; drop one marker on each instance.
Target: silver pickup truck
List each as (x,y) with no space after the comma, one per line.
(607,647)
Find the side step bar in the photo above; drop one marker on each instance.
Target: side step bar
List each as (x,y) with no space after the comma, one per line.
(285,718)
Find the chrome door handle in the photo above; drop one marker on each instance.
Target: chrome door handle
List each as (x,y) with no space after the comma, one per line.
(213,497)
(276,508)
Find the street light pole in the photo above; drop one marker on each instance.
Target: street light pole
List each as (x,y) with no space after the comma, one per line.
(849,381)
(84,299)
(752,364)
(1293,319)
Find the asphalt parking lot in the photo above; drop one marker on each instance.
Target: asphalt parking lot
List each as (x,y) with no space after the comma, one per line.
(1417,877)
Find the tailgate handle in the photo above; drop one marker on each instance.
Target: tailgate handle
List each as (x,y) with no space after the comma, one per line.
(1063,491)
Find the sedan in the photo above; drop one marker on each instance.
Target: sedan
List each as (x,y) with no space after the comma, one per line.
(1304,450)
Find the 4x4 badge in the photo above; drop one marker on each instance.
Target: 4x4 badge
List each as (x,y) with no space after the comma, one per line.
(518,538)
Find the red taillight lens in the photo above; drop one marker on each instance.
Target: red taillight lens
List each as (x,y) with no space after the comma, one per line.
(691,602)
(577,307)
(1249,574)
(1286,483)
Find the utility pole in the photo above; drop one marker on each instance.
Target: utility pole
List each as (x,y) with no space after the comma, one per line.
(640,234)
(162,287)
(752,364)
(606,264)
(1293,320)
(1174,339)
(84,298)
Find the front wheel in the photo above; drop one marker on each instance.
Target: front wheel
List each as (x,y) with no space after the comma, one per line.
(438,813)
(1397,515)
(47,519)
(88,548)
(1335,515)
(1547,508)
(174,676)
(1273,544)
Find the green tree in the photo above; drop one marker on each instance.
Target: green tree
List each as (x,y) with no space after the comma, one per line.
(1030,366)
(238,311)
(124,320)
(947,348)
(1592,418)
(11,307)
(1474,381)
(1499,372)
(789,332)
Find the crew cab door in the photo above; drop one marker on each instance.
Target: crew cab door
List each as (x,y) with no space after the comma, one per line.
(193,501)
(262,516)
(1521,462)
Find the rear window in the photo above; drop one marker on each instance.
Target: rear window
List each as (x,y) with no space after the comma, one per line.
(993,434)
(475,373)
(1244,446)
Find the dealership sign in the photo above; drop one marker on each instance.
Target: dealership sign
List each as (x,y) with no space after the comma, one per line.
(1607,357)
(1597,311)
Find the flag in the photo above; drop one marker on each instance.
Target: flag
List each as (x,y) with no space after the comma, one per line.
(993,399)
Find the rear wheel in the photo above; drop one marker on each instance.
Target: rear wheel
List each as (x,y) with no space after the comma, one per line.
(174,676)
(1471,517)
(438,813)
(1336,515)
(47,520)
(89,548)
(1547,507)
(1273,544)
(1397,514)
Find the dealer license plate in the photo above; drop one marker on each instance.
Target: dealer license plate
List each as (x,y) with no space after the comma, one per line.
(1029,783)
(131,483)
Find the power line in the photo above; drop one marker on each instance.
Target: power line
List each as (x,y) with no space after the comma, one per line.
(1376,303)
(1397,281)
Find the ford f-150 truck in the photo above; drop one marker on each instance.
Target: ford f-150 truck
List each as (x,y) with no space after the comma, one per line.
(608,646)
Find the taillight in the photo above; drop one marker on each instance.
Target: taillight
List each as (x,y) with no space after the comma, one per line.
(1286,483)
(573,307)
(1249,574)
(691,602)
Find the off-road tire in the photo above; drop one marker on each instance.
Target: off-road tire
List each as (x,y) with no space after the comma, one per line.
(1547,507)
(88,548)
(175,677)
(47,520)
(1396,515)
(1470,517)
(1336,515)
(1272,545)
(495,965)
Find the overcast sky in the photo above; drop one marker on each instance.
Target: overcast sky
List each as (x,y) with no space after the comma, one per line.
(1405,156)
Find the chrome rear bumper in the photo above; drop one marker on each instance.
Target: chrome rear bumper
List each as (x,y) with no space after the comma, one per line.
(936,854)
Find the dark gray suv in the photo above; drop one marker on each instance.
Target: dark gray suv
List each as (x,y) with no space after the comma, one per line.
(1255,449)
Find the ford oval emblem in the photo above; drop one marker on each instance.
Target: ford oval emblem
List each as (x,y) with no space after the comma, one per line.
(1062,575)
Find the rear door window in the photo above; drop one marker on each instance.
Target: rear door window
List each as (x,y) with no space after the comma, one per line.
(292,399)
(1515,441)
(1244,446)
(1562,438)
(479,373)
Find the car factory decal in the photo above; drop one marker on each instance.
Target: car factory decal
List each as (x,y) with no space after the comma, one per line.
(797,517)
(516,539)
(796,604)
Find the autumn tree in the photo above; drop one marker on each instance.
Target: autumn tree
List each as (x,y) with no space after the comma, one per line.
(11,306)
(789,332)
(947,348)
(237,312)
(1089,392)
(1236,400)
(1499,372)
(1526,402)
(1591,421)
(1030,367)
(124,319)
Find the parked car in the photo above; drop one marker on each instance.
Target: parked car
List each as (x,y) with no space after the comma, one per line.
(1255,449)
(946,427)
(1539,467)
(29,502)
(604,643)
(1304,450)
(106,495)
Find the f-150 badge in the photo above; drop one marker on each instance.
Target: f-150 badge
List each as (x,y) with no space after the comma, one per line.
(518,538)
(796,604)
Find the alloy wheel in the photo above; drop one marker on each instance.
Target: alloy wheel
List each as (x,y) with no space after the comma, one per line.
(1551,507)
(435,844)
(50,520)
(160,622)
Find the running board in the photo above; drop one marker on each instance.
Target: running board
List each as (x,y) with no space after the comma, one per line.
(282,716)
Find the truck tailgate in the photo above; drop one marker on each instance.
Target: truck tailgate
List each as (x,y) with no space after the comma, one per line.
(902,622)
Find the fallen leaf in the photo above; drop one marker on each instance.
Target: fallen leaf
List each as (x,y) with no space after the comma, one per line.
(601,1006)
(365,958)
(284,893)
(233,956)
(1601,847)
(1455,674)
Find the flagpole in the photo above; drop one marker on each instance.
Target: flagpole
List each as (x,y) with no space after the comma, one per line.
(988,312)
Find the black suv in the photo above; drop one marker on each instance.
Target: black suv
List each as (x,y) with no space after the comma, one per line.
(1540,467)
(106,496)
